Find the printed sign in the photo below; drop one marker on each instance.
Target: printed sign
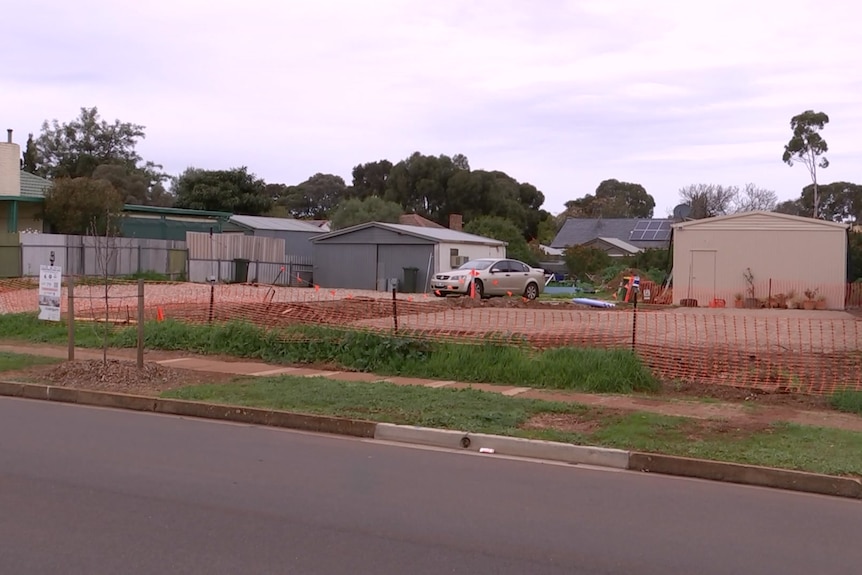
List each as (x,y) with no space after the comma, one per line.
(50,280)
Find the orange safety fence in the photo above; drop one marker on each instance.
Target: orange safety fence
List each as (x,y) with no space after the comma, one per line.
(771,347)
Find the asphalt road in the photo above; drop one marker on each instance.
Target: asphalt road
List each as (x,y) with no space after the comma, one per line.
(93,491)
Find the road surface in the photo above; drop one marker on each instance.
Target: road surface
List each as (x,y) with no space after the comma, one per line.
(92,491)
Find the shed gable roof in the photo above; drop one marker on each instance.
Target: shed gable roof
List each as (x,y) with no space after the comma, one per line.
(760,220)
(275,224)
(437,235)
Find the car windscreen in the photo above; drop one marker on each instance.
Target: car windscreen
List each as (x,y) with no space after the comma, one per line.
(476,265)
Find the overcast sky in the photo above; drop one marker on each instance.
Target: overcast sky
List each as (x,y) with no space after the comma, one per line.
(562,94)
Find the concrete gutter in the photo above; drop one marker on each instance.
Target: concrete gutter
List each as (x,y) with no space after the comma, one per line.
(458,440)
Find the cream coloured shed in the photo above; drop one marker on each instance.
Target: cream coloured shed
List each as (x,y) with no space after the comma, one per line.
(760,254)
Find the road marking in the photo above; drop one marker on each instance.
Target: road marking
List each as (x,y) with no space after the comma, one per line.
(274,371)
(436,384)
(164,361)
(516,391)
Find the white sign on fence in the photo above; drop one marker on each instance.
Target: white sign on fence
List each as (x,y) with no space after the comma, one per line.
(50,280)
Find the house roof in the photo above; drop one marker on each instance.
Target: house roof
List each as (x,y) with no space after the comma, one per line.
(577,231)
(616,242)
(418,221)
(759,215)
(33,186)
(322,224)
(165,211)
(437,235)
(275,224)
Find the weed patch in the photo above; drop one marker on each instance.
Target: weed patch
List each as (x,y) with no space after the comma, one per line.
(585,369)
(848,401)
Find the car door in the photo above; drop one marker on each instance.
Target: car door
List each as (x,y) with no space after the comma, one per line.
(519,274)
(498,279)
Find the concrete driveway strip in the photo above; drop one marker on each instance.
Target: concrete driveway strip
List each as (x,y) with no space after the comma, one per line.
(89,491)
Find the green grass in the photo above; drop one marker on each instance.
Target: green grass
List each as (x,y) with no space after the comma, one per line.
(465,409)
(783,445)
(149,276)
(848,401)
(584,369)
(16,361)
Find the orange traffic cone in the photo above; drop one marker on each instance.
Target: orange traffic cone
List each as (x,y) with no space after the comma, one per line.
(160,315)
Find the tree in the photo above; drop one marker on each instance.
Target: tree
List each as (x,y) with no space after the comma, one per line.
(790,207)
(420,185)
(584,260)
(235,191)
(613,199)
(498,228)
(135,186)
(839,202)
(81,206)
(370,179)
(709,200)
(315,198)
(808,146)
(547,230)
(77,148)
(30,161)
(354,211)
(753,198)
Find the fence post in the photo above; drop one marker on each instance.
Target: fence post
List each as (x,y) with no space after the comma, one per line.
(212,299)
(140,324)
(635,320)
(70,283)
(395,309)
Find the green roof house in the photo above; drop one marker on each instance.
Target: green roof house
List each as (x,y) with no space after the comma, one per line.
(21,193)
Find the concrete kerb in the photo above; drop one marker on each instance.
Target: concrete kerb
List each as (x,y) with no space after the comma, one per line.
(511,446)
(747,474)
(253,416)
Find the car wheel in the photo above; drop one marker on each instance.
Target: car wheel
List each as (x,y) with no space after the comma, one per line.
(480,289)
(532,291)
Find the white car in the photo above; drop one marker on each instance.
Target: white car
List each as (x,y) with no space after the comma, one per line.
(491,277)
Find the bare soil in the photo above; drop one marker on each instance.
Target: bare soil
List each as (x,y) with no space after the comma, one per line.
(116,376)
(693,429)
(694,391)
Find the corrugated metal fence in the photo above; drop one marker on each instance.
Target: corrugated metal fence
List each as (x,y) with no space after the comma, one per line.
(23,254)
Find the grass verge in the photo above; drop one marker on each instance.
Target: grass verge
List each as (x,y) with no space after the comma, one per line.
(16,361)
(584,369)
(783,445)
(848,401)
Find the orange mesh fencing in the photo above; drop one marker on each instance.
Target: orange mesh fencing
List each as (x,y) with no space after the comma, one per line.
(770,347)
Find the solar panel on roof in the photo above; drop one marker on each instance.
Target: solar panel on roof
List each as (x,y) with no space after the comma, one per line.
(651,230)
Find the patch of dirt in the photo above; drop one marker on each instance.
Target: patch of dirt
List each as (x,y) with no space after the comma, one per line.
(585,423)
(693,429)
(701,429)
(692,391)
(116,376)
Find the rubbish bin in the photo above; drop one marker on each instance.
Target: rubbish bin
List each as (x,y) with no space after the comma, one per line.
(240,271)
(411,279)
